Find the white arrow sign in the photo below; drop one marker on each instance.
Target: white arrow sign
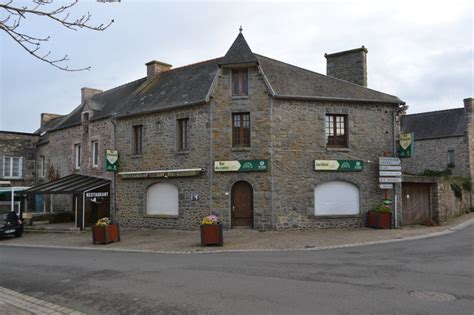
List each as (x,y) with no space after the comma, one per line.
(390,179)
(389,161)
(390,168)
(389,173)
(386,186)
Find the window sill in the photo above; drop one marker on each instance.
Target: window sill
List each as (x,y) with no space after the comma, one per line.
(136,156)
(240,97)
(183,152)
(340,149)
(161,216)
(12,177)
(241,149)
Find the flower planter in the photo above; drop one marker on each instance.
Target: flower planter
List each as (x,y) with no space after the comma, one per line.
(379,220)
(105,234)
(212,234)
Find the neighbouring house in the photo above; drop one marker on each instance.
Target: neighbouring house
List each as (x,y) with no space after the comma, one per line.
(444,142)
(17,166)
(241,136)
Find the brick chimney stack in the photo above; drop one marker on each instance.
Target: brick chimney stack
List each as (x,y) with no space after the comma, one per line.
(349,65)
(154,67)
(47,117)
(87,93)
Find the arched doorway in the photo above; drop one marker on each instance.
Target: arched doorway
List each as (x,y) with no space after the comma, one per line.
(242,205)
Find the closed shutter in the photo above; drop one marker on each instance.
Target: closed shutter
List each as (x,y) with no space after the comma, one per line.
(1,166)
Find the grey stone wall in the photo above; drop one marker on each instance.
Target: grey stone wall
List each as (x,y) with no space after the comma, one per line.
(433,155)
(446,205)
(16,144)
(160,153)
(298,133)
(469,110)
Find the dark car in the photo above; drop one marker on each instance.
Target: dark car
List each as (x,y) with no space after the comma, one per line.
(10,224)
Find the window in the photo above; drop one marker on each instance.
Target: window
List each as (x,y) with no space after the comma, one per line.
(336,130)
(241,130)
(162,199)
(12,167)
(183,141)
(240,84)
(43,166)
(336,198)
(77,156)
(95,153)
(137,140)
(450,158)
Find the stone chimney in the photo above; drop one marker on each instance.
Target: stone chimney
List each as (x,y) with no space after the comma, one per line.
(154,67)
(469,106)
(87,93)
(349,65)
(47,117)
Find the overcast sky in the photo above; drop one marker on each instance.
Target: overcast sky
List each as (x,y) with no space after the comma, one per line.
(421,52)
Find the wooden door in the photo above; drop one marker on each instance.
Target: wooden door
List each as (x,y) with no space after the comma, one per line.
(242,205)
(416,203)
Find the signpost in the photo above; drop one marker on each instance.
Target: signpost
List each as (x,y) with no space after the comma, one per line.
(339,165)
(390,179)
(390,167)
(389,161)
(241,166)
(111,160)
(406,145)
(386,186)
(390,173)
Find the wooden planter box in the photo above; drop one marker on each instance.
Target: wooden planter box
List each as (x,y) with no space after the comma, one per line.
(105,234)
(379,220)
(212,234)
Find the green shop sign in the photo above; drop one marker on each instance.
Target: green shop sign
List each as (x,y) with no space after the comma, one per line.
(111,160)
(241,166)
(406,145)
(339,165)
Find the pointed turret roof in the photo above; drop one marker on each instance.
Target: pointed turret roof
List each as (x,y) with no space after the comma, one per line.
(239,52)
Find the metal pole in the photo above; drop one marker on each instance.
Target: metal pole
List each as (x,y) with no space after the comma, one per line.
(12,199)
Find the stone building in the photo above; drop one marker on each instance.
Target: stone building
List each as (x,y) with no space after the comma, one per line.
(262,143)
(17,165)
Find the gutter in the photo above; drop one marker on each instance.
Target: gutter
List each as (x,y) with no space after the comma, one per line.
(338,99)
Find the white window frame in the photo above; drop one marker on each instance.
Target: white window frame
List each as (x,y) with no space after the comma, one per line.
(95,152)
(10,169)
(77,156)
(43,166)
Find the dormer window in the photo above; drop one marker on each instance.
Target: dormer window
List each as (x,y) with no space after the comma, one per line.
(240,85)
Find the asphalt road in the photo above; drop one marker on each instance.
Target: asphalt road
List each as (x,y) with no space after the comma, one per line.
(429,276)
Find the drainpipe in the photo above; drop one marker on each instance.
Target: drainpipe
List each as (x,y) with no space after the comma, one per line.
(114,179)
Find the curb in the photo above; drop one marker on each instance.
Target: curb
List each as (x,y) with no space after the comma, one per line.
(220,251)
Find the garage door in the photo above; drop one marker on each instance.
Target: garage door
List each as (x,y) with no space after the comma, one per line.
(415,203)
(336,198)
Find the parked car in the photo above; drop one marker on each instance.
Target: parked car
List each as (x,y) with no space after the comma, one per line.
(10,224)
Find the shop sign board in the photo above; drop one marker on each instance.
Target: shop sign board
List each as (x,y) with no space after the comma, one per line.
(161,173)
(405,148)
(389,161)
(241,166)
(111,160)
(339,165)
(390,179)
(97,194)
(390,173)
(386,186)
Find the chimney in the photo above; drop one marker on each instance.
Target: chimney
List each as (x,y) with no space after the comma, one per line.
(349,65)
(154,67)
(469,106)
(47,117)
(87,93)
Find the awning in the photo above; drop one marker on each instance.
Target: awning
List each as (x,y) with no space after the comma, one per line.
(72,184)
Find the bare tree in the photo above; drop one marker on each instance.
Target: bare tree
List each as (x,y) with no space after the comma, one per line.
(15,15)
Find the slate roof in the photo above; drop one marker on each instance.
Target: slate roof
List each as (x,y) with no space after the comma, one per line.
(291,81)
(176,87)
(191,85)
(239,53)
(432,125)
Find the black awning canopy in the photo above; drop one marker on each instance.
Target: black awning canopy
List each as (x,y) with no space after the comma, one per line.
(72,184)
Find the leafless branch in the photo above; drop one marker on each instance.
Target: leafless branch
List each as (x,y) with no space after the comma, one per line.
(32,44)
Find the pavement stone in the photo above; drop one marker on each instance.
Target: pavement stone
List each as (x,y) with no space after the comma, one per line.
(16,303)
(186,242)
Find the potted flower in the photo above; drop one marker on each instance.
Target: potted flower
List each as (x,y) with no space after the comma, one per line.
(211,231)
(104,232)
(380,217)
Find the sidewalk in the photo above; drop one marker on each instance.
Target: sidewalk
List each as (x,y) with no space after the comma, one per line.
(174,241)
